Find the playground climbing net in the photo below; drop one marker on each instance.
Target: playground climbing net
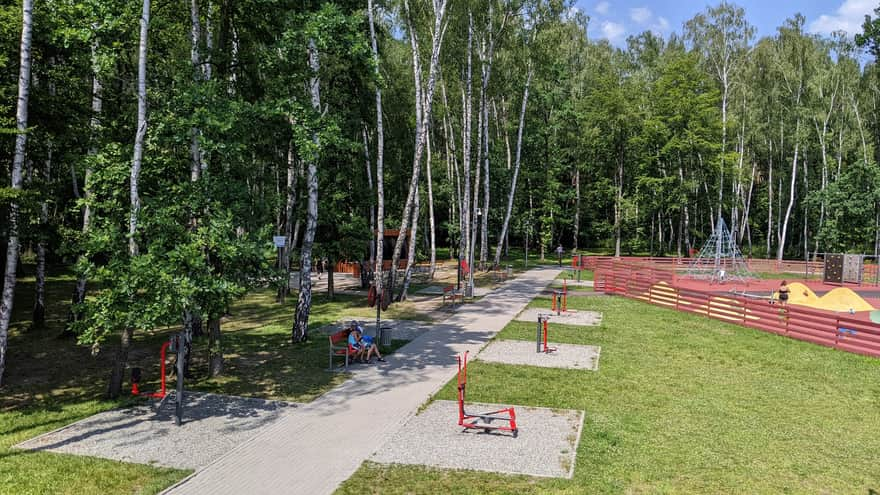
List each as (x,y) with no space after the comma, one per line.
(720,260)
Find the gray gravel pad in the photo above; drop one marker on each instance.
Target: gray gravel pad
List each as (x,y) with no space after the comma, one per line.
(583,318)
(545,446)
(212,426)
(437,290)
(569,356)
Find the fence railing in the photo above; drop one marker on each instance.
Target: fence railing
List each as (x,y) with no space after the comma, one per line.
(657,286)
(757,265)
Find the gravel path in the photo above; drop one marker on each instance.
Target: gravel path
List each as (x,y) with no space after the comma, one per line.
(569,356)
(213,425)
(583,318)
(546,444)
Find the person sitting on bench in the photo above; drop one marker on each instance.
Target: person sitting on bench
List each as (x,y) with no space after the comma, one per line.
(363,345)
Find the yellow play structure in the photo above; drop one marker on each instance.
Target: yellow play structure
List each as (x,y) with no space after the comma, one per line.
(839,299)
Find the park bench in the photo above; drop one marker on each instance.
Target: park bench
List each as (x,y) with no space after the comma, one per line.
(450,292)
(339,347)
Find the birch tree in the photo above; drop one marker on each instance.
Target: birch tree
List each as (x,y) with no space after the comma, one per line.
(380,159)
(21,128)
(423,117)
(516,167)
(300,331)
(121,360)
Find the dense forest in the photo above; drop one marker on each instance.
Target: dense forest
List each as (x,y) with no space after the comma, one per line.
(158,148)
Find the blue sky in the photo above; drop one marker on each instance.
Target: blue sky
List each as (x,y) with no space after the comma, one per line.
(616,19)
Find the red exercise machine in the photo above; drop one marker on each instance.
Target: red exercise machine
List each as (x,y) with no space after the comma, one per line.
(136,376)
(541,335)
(481,421)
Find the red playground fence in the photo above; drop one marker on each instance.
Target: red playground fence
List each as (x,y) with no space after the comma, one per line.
(658,284)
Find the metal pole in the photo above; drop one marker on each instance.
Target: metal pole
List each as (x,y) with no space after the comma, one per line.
(538,334)
(181,359)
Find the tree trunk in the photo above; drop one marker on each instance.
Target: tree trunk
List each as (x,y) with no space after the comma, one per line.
(289,207)
(369,166)
(215,349)
(141,134)
(39,313)
(422,119)
(431,226)
(510,197)
(300,330)
(467,101)
(781,248)
(770,197)
(380,154)
(197,158)
(331,289)
(79,291)
(411,255)
(121,361)
(21,122)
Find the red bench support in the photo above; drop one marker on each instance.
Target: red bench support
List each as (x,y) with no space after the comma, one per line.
(339,347)
(482,421)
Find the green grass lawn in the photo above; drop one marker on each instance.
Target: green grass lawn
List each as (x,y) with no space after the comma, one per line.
(680,404)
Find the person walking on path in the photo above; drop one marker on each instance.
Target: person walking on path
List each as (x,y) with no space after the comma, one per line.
(559,252)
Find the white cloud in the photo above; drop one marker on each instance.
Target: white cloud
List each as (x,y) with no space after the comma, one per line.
(848,17)
(612,31)
(602,7)
(661,25)
(640,15)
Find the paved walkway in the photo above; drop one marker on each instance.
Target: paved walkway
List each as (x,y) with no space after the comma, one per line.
(320,445)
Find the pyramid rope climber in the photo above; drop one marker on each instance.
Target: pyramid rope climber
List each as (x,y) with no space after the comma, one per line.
(720,260)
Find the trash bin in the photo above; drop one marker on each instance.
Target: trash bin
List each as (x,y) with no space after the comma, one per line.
(385,336)
(509,270)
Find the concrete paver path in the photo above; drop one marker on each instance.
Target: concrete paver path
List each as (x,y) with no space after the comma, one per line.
(321,444)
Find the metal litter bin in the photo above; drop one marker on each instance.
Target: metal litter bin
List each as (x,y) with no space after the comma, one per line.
(385,336)
(509,270)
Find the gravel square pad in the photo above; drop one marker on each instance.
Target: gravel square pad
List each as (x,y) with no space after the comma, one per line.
(582,318)
(546,443)
(212,426)
(569,356)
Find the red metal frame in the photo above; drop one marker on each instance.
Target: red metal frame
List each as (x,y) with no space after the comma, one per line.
(467,420)
(162,391)
(547,349)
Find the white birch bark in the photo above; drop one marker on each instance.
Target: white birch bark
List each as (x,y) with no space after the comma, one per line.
(467,100)
(79,290)
(380,158)
(121,359)
(516,167)
(300,331)
(421,120)
(784,230)
(141,133)
(431,226)
(369,166)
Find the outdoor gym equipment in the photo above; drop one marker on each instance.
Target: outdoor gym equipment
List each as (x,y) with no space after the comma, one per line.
(541,335)
(481,421)
(559,304)
(136,376)
(178,344)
